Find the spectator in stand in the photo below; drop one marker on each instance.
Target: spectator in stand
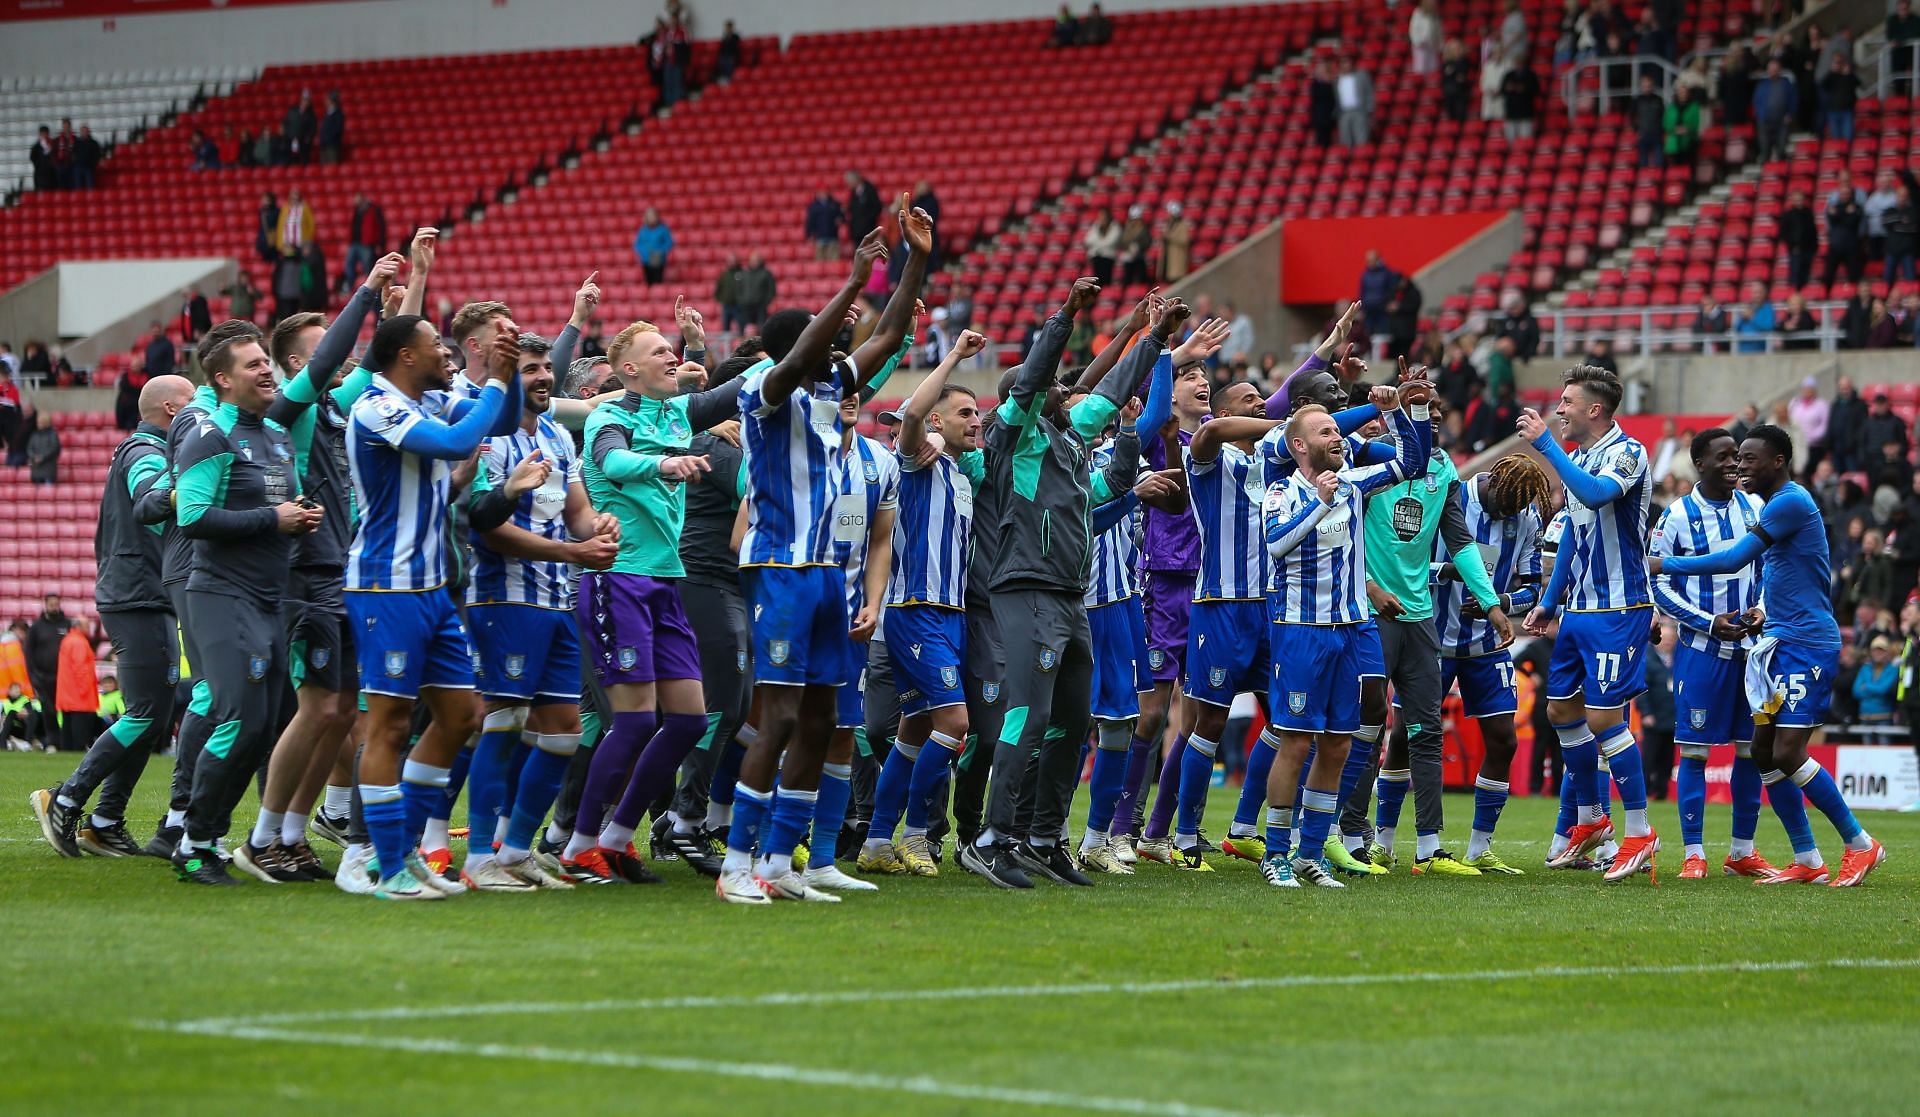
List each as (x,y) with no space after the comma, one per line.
(756,290)
(366,238)
(286,287)
(1808,410)
(1354,91)
(1323,104)
(203,154)
(726,293)
(35,359)
(1800,238)
(45,176)
(1403,317)
(1517,322)
(78,690)
(824,218)
(279,147)
(1903,33)
(1490,418)
(160,353)
(42,642)
(63,142)
(1499,366)
(1846,426)
(1457,381)
(1176,245)
(1742,426)
(313,278)
(293,228)
(1875,687)
(196,317)
(1697,79)
(126,398)
(242,298)
(1377,284)
(87,154)
(1513,35)
(1902,224)
(1136,242)
(1649,115)
(728,59)
(1600,354)
(1866,575)
(652,244)
(1096,30)
(1774,103)
(1066,29)
(1882,331)
(960,309)
(1456,81)
(333,132)
(1756,322)
(1839,92)
(1240,336)
(1425,33)
(1884,428)
(300,127)
(1711,324)
(226,149)
(1886,192)
(43,451)
(1854,315)
(1846,226)
(1520,101)
(1681,122)
(1736,86)
(1035,325)
(1102,242)
(863,207)
(1800,327)
(1800,57)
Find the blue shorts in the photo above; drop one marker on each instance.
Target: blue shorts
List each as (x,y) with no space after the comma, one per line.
(1227,650)
(799,620)
(1120,671)
(1373,656)
(526,653)
(850,701)
(409,641)
(1486,684)
(1316,678)
(928,647)
(1802,685)
(1709,699)
(1601,655)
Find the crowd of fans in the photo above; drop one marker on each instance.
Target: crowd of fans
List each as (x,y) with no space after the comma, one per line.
(65,160)
(55,697)
(305,135)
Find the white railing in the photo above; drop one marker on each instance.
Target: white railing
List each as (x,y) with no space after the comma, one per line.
(1603,99)
(1568,331)
(1892,79)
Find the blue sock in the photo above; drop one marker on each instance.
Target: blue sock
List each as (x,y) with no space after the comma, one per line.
(523,752)
(423,787)
(1489,799)
(1691,789)
(1196,777)
(791,814)
(1623,759)
(890,790)
(1391,788)
(1820,790)
(1359,764)
(1103,790)
(1253,792)
(385,814)
(1569,804)
(750,810)
(487,784)
(1581,757)
(540,780)
(456,779)
(1746,797)
(930,770)
(1791,808)
(829,811)
(1317,809)
(1280,831)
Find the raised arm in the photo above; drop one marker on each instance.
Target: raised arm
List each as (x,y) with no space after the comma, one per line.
(1114,511)
(811,347)
(1091,415)
(916,228)
(1592,490)
(1223,429)
(1289,519)
(919,405)
(1124,469)
(1031,378)
(1144,311)
(1279,403)
(420,261)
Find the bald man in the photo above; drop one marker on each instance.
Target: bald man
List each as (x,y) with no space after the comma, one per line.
(139,620)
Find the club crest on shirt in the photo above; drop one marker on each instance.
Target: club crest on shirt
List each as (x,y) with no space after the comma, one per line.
(740,663)
(990,693)
(1049,659)
(515,666)
(396,664)
(1217,678)
(628,657)
(245,450)
(479,665)
(319,658)
(871,470)
(173,674)
(779,651)
(950,678)
(280,453)
(1697,718)
(1297,701)
(1155,658)
(256,668)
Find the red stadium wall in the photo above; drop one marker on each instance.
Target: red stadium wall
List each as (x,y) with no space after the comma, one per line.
(1321,258)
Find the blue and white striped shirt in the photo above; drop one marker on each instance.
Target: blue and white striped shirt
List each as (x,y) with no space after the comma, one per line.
(1115,574)
(1509,549)
(1694,525)
(931,533)
(790,446)
(402,541)
(502,579)
(1606,547)
(866,481)
(1226,496)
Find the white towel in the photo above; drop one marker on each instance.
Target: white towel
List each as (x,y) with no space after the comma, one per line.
(1760,693)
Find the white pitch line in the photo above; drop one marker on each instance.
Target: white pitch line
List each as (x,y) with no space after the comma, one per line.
(225,1025)
(765,1072)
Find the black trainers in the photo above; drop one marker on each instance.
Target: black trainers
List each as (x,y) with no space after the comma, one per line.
(307,863)
(331,827)
(269,865)
(996,863)
(110,841)
(1052,862)
(696,851)
(200,867)
(57,823)
(658,846)
(555,850)
(166,839)
(626,865)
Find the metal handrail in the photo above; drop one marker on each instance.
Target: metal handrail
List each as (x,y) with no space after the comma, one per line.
(1883,87)
(1664,73)
(1566,338)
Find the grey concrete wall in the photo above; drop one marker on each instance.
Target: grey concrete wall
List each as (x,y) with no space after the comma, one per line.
(1248,276)
(121,334)
(1488,251)
(31,311)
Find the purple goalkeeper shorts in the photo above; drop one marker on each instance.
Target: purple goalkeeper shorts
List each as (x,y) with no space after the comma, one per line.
(633,629)
(1169,600)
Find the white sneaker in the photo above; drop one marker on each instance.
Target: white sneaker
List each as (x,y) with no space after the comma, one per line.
(491,876)
(403,885)
(791,886)
(829,878)
(356,873)
(424,873)
(738,886)
(1122,847)
(530,870)
(1911,808)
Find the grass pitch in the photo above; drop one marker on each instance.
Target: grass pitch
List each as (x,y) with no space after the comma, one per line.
(1166,994)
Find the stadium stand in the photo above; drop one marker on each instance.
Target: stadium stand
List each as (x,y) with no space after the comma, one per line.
(115,106)
(46,531)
